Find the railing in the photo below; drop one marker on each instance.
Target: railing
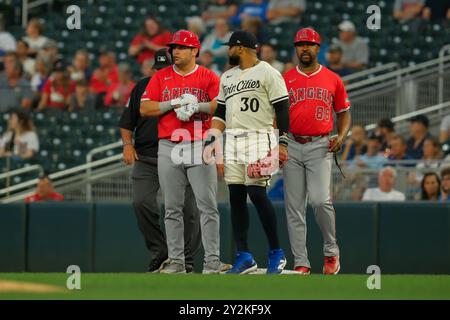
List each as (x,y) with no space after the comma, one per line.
(10,174)
(89,157)
(370,73)
(27,5)
(442,52)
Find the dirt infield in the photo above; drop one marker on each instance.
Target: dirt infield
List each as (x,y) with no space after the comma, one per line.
(7,286)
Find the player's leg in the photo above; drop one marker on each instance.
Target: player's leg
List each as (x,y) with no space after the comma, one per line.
(192,235)
(295,197)
(145,185)
(203,179)
(173,181)
(318,175)
(240,220)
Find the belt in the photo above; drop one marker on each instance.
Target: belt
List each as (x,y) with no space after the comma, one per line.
(306,139)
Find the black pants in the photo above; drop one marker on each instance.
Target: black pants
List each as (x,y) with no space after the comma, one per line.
(145,188)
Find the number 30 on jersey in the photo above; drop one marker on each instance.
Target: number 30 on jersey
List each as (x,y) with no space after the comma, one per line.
(250,104)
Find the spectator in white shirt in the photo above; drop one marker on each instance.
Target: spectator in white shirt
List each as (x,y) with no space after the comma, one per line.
(269,55)
(7,41)
(34,37)
(385,190)
(445,129)
(213,42)
(20,141)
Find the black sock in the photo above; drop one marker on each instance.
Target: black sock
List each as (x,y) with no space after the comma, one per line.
(239,215)
(266,214)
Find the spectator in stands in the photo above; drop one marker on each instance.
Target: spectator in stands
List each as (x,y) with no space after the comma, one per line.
(355,51)
(28,63)
(104,76)
(288,66)
(445,184)
(50,51)
(397,146)
(254,25)
(82,100)
(386,130)
(419,132)
(431,158)
(119,92)
(214,40)
(436,10)
(219,9)
(80,68)
(252,8)
(268,54)
(406,10)
(430,187)
(385,190)
(7,41)
(15,89)
(20,140)
(206,59)
(152,38)
(373,158)
(196,25)
(334,60)
(57,90)
(444,129)
(42,70)
(34,37)
(44,191)
(356,144)
(280,11)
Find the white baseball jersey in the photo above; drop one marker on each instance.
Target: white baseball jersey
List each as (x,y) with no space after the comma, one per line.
(248,96)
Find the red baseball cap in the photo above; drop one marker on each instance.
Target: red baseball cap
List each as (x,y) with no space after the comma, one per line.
(185,38)
(307,35)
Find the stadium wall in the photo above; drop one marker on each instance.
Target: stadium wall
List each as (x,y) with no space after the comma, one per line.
(409,237)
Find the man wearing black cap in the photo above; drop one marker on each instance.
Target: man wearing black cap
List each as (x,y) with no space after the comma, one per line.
(419,132)
(143,154)
(251,96)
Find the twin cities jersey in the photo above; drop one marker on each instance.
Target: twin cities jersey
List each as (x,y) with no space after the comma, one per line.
(312,99)
(168,84)
(248,96)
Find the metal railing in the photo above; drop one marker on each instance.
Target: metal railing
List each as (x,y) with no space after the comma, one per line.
(27,5)
(370,73)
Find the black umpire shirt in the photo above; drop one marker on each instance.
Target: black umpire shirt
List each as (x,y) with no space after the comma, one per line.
(145,129)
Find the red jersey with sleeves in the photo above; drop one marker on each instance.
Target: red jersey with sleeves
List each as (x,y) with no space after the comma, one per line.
(57,96)
(161,40)
(312,99)
(168,84)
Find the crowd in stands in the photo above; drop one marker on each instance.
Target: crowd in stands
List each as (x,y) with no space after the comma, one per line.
(34,77)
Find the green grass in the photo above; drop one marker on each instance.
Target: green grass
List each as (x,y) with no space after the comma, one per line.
(227,287)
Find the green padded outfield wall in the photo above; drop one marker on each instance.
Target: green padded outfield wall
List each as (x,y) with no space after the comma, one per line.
(13,224)
(104,237)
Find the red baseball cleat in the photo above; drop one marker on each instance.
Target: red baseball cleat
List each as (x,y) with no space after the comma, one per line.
(331,265)
(303,270)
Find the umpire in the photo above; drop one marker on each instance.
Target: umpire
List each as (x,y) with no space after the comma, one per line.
(143,154)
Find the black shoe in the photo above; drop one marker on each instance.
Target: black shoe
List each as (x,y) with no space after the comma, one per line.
(157,264)
(189,268)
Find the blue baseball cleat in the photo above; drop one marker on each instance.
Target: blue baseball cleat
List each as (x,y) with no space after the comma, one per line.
(277,261)
(244,263)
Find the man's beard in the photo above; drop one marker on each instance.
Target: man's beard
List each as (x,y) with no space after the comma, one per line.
(306,63)
(234,60)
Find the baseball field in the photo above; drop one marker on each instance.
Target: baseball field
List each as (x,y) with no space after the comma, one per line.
(221,287)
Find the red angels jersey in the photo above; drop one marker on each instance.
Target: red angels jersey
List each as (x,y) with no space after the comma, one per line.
(168,84)
(312,99)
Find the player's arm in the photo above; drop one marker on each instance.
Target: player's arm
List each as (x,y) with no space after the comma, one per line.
(282,120)
(156,108)
(344,121)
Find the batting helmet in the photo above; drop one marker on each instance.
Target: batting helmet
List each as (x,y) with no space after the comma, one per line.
(307,35)
(185,38)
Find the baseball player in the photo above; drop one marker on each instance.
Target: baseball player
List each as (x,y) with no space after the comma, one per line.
(183,97)
(250,96)
(314,93)
(143,156)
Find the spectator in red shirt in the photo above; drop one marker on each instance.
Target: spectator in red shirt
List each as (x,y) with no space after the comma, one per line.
(152,38)
(44,191)
(57,90)
(119,92)
(106,74)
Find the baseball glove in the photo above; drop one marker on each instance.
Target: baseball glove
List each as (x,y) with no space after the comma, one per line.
(264,167)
